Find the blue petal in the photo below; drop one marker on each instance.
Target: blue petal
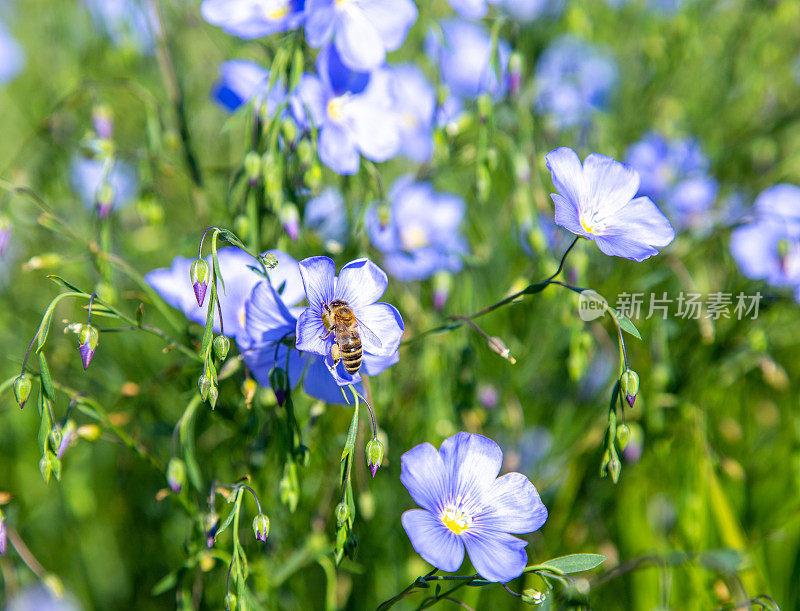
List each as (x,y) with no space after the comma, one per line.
(610,185)
(567,215)
(567,174)
(340,77)
(358,41)
(372,365)
(320,21)
(337,150)
(267,318)
(319,384)
(173,284)
(360,283)
(392,18)
(308,101)
(318,275)
(286,278)
(473,462)
(309,332)
(261,359)
(240,81)
(635,231)
(513,506)
(471,9)
(424,475)
(383,320)
(432,540)
(496,556)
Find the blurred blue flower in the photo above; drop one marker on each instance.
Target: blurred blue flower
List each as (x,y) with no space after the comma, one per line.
(237,269)
(574,79)
(415,101)
(5,234)
(326,214)
(363,31)
(12,57)
(359,284)
(768,248)
(254,18)
(596,200)
(465,504)
(523,10)
(463,53)
(40,598)
(420,233)
(241,81)
(92,178)
(675,172)
(353,111)
(125,21)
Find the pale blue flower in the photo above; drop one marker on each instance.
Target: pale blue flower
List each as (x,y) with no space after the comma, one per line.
(254,18)
(243,80)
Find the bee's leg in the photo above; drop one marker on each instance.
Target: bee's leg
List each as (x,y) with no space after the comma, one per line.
(336,355)
(327,334)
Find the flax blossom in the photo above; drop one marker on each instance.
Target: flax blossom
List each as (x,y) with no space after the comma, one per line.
(596,200)
(465,505)
(241,81)
(254,18)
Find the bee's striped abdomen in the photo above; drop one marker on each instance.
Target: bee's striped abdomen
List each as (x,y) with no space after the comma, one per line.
(351,354)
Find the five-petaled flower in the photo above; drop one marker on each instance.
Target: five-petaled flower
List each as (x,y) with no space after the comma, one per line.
(254,18)
(596,200)
(359,284)
(465,504)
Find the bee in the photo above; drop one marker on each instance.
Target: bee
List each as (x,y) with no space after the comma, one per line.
(340,320)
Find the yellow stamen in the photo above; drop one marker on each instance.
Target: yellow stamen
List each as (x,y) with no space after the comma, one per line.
(336,108)
(587,228)
(456,520)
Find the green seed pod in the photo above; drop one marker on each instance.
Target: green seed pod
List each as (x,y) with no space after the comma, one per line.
(623,436)
(230,601)
(629,382)
(204,384)
(374,451)
(342,513)
(22,389)
(252,167)
(221,346)
(176,474)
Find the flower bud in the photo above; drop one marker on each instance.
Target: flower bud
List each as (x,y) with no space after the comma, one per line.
(176,474)
(199,275)
(514,73)
(87,344)
(614,467)
(210,526)
(22,389)
(2,534)
(305,152)
(221,346)
(279,382)
(533,597)
(342,513)
(629,382)
(204,384)
(261,527)
(289,130)
(230,601)
(252,167)
(67,435)
(269,260)
(374,453)
(103,122)
(623,436)
(302,455)
(104,200)
(290,219)
(89,432)
(441,289)
(213,393)
(497,345)
(313,177)
(5,234)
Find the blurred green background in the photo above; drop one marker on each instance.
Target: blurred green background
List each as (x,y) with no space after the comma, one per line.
(712,507)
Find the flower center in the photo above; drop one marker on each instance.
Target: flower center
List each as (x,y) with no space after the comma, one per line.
(414,236)
(591,224)
(343,2)
(336,107)
(274,9)
(410,120)
(456,519)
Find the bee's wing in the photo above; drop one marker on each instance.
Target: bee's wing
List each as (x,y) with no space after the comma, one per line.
(367,332)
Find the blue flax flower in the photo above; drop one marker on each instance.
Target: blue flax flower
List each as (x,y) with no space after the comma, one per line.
(359,284)
(415,101)
(238,272)
(92,178)
(12,57)
(241,81)
(125,21)
(353,111)
(465,504)
(420,232)
(326,214)
(464,54)
(363,31)
(523,10)
(596,200)
(254,18)
(768,248)
(675,172)
(574,79)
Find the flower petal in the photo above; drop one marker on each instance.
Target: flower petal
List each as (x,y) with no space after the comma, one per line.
(372,365)
(361,283)
(610,185)
(515,506)
(318,274)
(286,278)
(358,41)
(384,322)
(423,473)
(635,231)
(310,331)
(267,319)
(567,215)
(432,540)
(319,384)
(567,174)
(392,19)
(320,20)
(473,462)
(496,556)
(337,149)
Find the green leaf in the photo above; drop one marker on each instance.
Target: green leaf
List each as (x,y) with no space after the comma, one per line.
(63,283)
(574,563)
(625,323)
(44,327)
(349,444)
(166,583)
(47,381)
(215,260)
(186,437)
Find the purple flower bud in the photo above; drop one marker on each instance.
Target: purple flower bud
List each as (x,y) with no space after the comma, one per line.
(488,396)
(176,474)
(103,122)
(629,382)
(5,234)
(210,525)
(514,74)
(2,534)
(22,389)
(261,527)
(279,382)
(374,455)
(290,219)
(252,167)
(87,344)
(199,276)
(67,435)
(441,289)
